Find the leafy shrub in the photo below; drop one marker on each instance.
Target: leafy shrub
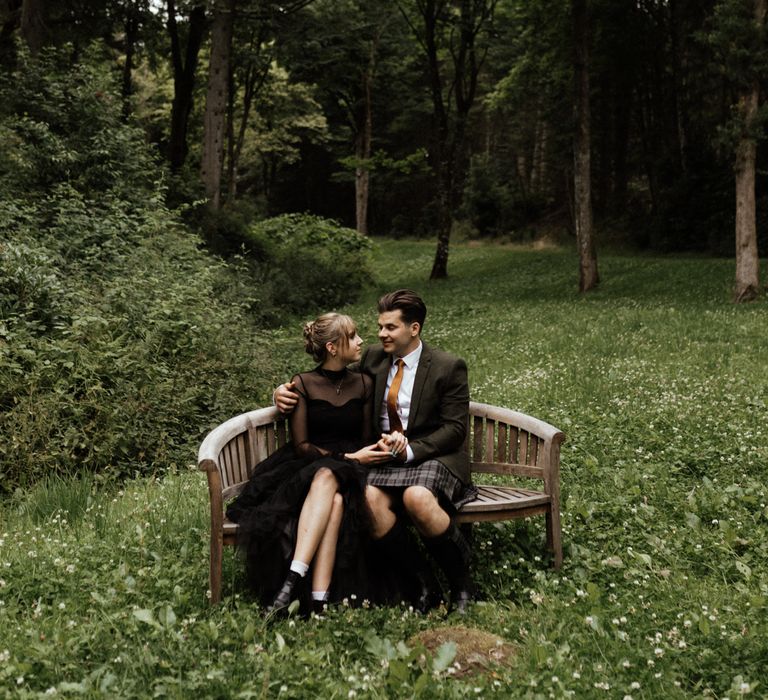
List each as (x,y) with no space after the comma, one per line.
(310,261)
(121,342)
(65,125)
(29,284)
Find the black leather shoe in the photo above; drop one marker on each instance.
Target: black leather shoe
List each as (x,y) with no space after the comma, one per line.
(430,596)
(318,606)
(285,594)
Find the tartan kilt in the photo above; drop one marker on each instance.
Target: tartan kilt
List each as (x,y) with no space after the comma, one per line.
(431,474)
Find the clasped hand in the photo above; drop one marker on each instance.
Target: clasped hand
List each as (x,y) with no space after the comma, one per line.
(390,446)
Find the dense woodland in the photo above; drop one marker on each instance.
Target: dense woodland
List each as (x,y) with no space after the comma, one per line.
(177,177)
(635,122)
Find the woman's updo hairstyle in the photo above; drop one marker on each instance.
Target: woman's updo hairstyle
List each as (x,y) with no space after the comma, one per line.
(328,328)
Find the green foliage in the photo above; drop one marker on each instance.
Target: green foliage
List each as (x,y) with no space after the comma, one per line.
(310,261)
(740,55)
(30,287)
(120,341)
(65,126)
(494,205)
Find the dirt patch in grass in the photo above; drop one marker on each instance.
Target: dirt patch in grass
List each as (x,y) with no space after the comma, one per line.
(476,650)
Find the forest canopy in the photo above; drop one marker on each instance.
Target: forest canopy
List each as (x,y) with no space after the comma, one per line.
(417,117)
(172,170)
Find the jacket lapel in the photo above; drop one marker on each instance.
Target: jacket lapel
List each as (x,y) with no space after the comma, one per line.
(422,372)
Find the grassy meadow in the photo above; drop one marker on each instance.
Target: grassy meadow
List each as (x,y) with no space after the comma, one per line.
(661,386)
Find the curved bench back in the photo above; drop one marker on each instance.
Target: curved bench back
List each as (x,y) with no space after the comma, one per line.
(499,441)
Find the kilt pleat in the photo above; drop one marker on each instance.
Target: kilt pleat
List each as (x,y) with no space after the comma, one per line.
(431,474)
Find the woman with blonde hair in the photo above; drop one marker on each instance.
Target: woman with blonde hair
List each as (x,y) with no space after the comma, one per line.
(302,515)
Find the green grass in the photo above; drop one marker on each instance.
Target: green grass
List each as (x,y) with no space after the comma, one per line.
(660,385)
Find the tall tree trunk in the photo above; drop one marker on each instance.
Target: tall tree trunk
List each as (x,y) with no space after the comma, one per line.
(256,74)
(582,181)
(541,166)
(10,17)
(747,260)
(33,29)
(449,162)
(184,71)
(131,36)
(439,156)
(231,170)
(363,146)
(678,84)
(214,121)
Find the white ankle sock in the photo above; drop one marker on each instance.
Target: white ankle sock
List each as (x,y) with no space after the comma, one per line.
(320,595)
(299,567)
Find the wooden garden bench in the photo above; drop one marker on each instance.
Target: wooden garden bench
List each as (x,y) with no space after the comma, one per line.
(500,441)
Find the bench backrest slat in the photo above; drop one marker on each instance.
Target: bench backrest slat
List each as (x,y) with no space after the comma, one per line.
(522,454)
(262,446)
(477,437)
(226,461)
(490,438)
(282,434)
(513,443)
(502,446)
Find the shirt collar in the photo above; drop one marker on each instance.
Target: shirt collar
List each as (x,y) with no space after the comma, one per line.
(412,358)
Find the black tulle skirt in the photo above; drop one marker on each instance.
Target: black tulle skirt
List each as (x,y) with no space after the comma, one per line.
(268,512)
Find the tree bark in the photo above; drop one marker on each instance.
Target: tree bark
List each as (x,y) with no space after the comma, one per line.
(582,180)
(184,70)
(131,26)
(449,113)
(747,261)
(363,145)
(214,121)
(255,75)
(10,17)
(33,29)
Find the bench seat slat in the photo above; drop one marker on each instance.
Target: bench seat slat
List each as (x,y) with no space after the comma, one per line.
(488,516)
(505,498)
(496,492)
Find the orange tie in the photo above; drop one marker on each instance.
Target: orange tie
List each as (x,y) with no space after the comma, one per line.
(394,419)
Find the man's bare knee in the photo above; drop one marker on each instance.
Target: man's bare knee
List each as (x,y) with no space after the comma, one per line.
(419,501)
(377,499)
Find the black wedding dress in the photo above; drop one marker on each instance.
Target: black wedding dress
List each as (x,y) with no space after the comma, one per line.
(333,417)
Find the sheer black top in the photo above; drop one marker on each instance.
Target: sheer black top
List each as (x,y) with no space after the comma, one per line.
(334,412)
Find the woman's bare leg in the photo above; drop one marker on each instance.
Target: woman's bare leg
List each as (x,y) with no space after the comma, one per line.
(315,513)
(325,557)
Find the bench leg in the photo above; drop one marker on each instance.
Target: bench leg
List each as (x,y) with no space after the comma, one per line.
(217,546)
(554,536)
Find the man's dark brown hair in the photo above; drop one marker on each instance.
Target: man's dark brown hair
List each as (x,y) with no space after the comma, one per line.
(410,304)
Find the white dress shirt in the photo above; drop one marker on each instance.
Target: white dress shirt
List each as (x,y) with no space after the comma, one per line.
(410,365)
